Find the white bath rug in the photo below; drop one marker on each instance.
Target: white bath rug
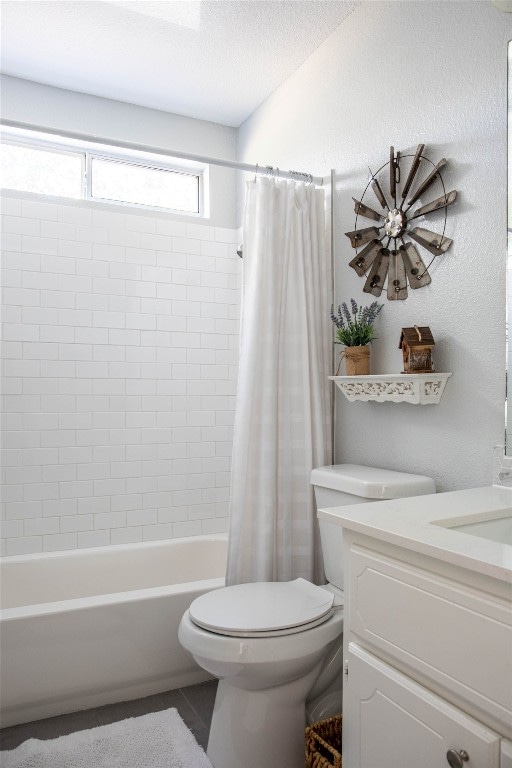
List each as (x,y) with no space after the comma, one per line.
(157,740)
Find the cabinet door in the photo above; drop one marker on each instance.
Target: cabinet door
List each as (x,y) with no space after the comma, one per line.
(392,722)
(506,754)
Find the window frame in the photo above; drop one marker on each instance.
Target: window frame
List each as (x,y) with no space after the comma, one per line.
(89,150)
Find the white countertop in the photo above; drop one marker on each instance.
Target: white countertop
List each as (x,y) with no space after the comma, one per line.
(412,522)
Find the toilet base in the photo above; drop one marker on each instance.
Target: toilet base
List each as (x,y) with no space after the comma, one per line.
(255,728)
(326,697)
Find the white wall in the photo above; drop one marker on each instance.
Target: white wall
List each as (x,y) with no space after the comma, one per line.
(402,73)
(120,349)
(25,101)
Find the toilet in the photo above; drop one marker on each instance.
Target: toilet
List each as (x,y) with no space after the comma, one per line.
(276,647)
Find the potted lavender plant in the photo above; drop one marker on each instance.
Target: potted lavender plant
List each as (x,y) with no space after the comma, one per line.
(355,331)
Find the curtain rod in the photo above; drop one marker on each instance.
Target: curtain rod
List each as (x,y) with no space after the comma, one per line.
(267,170)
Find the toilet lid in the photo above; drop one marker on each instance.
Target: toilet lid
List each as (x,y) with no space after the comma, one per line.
(262,608)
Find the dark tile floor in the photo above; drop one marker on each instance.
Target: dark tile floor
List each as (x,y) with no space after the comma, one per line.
(194,704)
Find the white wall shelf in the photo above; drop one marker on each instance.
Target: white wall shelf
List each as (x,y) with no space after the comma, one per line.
(415,388)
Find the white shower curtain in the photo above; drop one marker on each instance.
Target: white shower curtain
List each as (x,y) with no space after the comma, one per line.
(282,422)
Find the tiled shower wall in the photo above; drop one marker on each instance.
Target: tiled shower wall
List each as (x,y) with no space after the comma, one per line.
(120,348)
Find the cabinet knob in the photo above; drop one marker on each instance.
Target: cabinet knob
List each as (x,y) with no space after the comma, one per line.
(456,759)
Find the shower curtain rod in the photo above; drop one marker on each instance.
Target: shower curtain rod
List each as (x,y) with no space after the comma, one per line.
(266,169)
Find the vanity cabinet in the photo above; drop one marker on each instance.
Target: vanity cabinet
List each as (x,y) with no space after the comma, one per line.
(428,661)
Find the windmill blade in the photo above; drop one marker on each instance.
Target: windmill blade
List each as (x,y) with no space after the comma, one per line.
(414,168)
(365,258)
(442,202)
(397,281)
(428,182)
(361,236)
(392,173)
(379,193)
(416,271)
(364,210)
(375,280)
(436,244)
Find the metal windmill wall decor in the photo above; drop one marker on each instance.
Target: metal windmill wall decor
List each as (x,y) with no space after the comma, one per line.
(386,250)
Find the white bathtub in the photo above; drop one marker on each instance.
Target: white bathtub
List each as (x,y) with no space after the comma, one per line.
(83,628)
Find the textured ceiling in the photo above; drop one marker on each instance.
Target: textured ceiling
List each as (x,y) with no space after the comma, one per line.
(210,59)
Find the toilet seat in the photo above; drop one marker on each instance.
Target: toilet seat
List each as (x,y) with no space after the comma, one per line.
(263,609)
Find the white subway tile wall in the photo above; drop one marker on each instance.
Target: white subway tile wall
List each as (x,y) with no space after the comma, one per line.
(119,354)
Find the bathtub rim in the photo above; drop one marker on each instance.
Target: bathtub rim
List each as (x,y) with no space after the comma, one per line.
(112,598)
(83,603)
(106,548)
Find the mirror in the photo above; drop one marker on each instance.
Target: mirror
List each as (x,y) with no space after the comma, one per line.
(508,419)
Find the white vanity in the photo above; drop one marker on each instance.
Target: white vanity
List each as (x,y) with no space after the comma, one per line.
(428,631)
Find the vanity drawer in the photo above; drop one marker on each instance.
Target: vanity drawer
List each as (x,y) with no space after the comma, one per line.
(452,634)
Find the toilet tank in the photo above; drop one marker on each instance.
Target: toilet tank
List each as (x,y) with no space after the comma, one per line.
(342,484)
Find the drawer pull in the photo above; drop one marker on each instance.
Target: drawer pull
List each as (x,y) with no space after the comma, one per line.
(456,759)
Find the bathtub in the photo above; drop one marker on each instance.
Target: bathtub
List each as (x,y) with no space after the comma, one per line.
(83,628)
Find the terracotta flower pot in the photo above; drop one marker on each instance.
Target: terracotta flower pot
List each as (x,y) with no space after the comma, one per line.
(357,361)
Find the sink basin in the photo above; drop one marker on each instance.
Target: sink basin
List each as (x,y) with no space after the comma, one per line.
(497,529)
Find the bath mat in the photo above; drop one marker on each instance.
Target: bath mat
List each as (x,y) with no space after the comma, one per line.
(157,740)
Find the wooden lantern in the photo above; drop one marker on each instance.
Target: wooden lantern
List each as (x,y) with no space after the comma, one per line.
(416,345)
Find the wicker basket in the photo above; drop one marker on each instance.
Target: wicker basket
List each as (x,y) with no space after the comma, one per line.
(323,744)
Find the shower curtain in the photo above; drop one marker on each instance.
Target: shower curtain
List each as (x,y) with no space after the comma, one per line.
(282,420)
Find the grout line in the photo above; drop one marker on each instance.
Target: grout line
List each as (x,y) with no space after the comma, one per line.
(193,708)
(189,702)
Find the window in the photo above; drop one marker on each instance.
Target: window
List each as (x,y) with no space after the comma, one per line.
(35,162)
(39,170)
(118,181)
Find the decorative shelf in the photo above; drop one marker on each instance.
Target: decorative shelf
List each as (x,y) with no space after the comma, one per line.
(415,388)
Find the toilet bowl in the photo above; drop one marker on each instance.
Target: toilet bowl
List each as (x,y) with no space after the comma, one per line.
(277,646)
